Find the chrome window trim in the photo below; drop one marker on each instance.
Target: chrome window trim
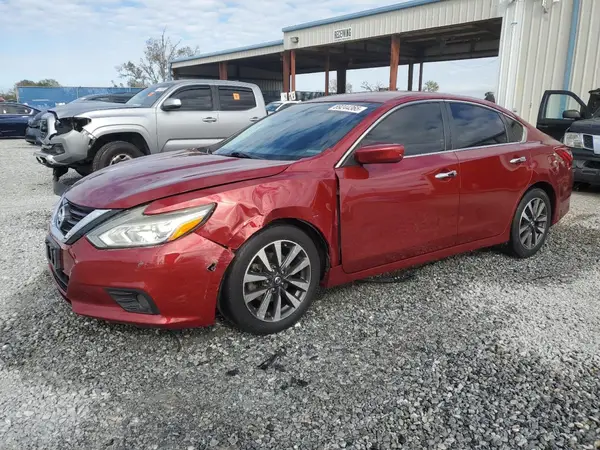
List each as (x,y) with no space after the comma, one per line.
(349,152)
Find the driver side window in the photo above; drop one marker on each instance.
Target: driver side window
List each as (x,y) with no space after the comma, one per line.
(419,128)
(196,98)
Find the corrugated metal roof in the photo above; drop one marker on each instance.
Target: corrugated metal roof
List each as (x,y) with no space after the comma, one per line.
(231,50)
(358,15)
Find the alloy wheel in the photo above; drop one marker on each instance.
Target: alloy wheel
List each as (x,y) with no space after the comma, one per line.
(119,158)
(277,280)
(533,223)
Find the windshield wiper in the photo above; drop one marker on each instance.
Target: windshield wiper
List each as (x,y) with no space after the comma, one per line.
(237,154)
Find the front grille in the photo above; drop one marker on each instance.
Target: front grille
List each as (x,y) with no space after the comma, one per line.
(44,128)
(71,214)
(588,141)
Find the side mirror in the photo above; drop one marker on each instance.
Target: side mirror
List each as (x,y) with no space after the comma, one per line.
(171,104)
(379,154)
(571,114)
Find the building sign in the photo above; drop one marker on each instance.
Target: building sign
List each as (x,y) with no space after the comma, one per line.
(343,34)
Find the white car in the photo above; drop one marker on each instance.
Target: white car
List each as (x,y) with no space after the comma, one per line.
(273,107)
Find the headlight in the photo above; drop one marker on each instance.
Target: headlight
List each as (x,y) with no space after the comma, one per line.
(134,229)
(573,140)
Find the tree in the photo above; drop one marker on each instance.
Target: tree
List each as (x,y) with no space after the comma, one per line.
(431,86)
(378,86)
(333,86)
(154,66)
(47,82)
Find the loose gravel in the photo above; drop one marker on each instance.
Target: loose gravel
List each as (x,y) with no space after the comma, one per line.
(476,351)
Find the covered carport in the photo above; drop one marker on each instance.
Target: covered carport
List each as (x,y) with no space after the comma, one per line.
(410,33)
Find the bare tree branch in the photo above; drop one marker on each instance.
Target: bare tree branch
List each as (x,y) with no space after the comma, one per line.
(154,66)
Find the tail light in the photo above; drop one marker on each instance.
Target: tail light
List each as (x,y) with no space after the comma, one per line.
(565,154)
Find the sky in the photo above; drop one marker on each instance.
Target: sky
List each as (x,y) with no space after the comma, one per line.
(79,42)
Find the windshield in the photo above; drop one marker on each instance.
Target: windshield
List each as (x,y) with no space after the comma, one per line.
(272,106)
(300,132)
(148,96)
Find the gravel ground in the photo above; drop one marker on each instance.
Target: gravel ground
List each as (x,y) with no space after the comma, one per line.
(476,351)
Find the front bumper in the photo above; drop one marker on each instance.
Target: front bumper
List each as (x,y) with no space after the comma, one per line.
(586,166)
(68,149)
(181,279)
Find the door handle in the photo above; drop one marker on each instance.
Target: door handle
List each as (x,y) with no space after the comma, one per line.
(254,119)
(209,119)
(520,160)
(444,175)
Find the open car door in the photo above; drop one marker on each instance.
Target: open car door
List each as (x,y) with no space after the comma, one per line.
(558,110)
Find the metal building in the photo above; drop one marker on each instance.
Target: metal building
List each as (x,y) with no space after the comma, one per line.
(541,44)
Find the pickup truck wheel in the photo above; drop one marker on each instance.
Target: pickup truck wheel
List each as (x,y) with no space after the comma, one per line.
(272,280)
(113,153)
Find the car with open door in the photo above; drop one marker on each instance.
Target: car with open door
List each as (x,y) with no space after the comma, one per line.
(325,192)
(565,117)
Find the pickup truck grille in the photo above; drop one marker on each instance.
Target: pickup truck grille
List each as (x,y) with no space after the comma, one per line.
(71,215)
(588,141)
(43,128)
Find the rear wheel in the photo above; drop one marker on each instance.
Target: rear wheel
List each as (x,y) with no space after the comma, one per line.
(114,153)
(272,281)
(531,224)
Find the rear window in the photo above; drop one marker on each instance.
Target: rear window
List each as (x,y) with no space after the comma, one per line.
(476,126)
(236,99)
(514,130)
(303,131)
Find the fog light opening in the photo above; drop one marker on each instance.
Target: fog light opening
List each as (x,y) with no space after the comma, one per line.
(133,301)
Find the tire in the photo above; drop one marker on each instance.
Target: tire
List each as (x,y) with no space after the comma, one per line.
(247,276)
(107,154)
(84,170)
(538,216)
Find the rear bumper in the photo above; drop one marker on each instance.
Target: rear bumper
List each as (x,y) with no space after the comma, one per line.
(180,279)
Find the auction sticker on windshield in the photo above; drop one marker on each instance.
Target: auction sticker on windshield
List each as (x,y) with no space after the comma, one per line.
(355,109)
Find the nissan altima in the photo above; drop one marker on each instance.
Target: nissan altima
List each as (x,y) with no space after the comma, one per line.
(329,191)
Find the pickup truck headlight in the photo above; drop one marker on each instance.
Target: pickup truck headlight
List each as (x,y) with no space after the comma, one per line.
(573,140)
(133,228)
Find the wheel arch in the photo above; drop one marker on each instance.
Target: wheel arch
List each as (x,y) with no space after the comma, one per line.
(133,137)
(549,190)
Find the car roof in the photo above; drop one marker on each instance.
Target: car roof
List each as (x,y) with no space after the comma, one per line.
(396,97)
(19,104)
(207,81)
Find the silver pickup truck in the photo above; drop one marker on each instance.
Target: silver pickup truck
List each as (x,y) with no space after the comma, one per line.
(174,115)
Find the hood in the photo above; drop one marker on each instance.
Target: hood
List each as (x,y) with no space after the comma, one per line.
(587,126)
(78,108)
(149,178)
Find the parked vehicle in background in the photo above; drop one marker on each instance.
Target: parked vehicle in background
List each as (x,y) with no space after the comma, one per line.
(564,116)
(329,191)
(167,116)
(273,107)
(32,133)
(111,98)
(14,118)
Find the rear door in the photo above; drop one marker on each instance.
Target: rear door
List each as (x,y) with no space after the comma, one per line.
(390,212)
(194,125)
(238,108)
(494,166)
(551,115)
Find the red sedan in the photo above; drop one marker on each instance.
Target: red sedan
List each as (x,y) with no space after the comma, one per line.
(328,191)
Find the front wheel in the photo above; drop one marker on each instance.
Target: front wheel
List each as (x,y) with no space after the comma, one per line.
(114,153)
(272,281)
(531,224)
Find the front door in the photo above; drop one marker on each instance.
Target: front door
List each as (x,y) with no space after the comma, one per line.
(390,212)
(191,126)
(558,110)
(494,166)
